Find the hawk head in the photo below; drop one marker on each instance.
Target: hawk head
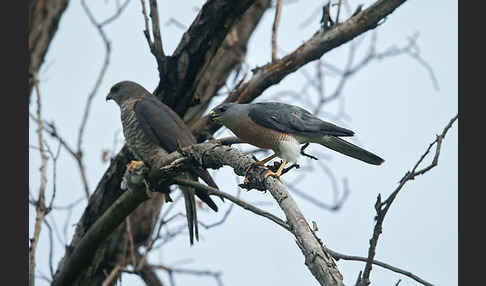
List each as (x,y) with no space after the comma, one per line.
(124,90)
(222,112)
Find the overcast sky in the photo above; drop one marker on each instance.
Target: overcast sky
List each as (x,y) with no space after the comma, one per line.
(392,105)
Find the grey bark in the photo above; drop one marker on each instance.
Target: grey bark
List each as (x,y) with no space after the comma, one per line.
(208,155)
(108,190)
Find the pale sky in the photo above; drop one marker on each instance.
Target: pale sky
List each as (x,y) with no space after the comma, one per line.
(394,110)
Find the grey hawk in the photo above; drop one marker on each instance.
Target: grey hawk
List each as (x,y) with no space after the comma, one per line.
(151,130)
(282,128)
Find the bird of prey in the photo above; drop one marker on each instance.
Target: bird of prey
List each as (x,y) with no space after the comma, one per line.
(151,130)
(282,128)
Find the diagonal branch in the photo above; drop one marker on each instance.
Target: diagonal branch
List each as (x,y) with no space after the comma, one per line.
(208,155)
(82,255)
(40,204)
(245,205)
(317,259)
(156,47)
(383,207)
(99,79)
(278,10)
(338,256)
(322,42)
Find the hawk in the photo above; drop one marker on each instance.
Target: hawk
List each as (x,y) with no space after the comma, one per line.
(152,129)
(282,128)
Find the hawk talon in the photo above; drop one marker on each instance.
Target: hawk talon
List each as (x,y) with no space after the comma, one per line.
(276,174)
(270,173)
(259,163)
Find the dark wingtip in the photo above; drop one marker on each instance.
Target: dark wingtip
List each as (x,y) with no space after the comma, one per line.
(212,205)
(204,175)
(206,199)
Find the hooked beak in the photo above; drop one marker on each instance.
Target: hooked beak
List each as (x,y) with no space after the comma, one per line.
(108,97)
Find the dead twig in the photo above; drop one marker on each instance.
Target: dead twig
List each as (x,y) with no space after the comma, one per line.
(338,256)
(156,47)
(106,62)
(338,12)
(278,10)
(40,203)
(172,270)
(245,205)
(382,207)
(113,274)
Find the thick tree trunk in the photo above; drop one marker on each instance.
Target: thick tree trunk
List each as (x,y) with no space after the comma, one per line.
(189,78)
(110,253)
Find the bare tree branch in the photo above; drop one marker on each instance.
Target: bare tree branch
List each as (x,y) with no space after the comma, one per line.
(40,203)
(383,207)
(51,247)
(118,12)
(247,206)
(172,270)
(209,155)
(112,276)
(320,263)
(278,10)
(82,254)
(322,42)
(188,97)
(338,256)
(338,12)
(156,47)
(106,62)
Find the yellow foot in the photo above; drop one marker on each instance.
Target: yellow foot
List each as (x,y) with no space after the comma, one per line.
(260,163)
(277,174)
(133,165)
(270,173)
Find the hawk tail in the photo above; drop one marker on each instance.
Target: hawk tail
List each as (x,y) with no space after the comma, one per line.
(191,208)
(351,150)
(191,213)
